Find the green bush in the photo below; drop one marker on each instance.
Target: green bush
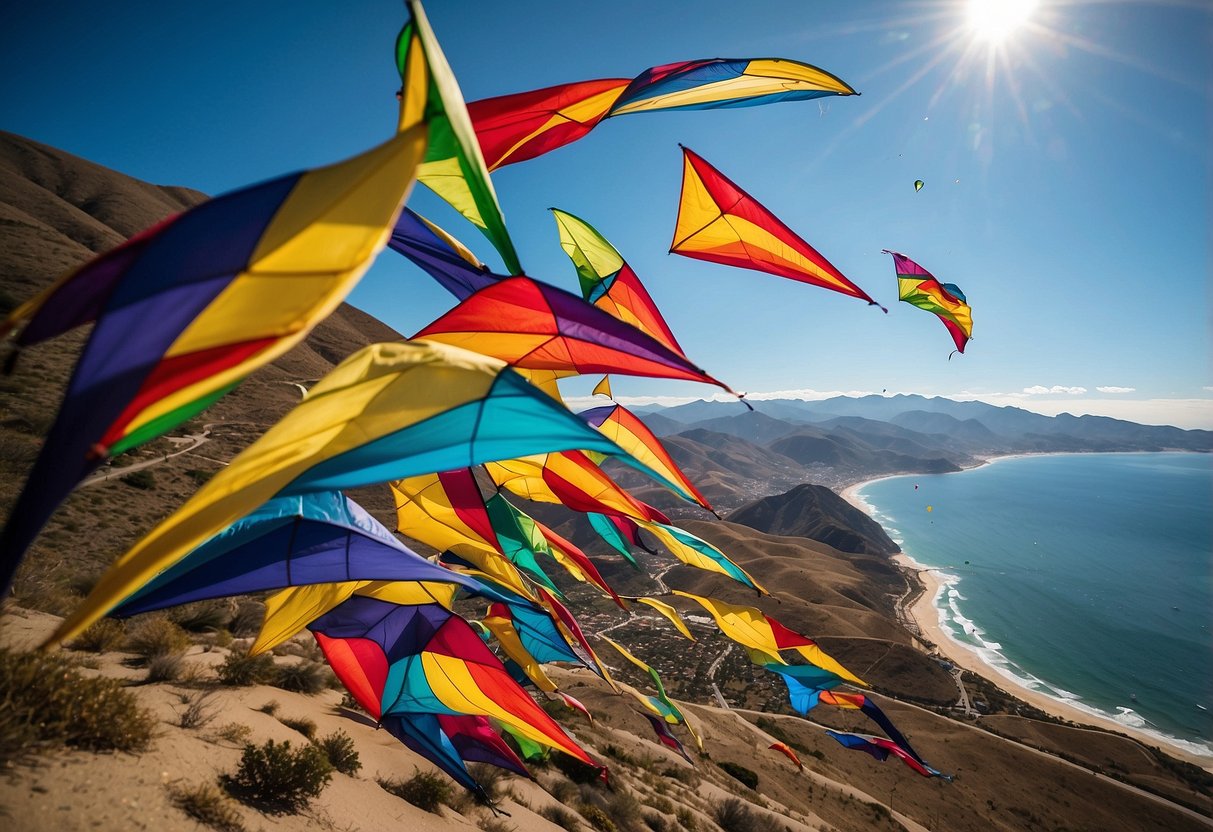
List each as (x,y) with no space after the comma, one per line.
(156,636)
(143,479)
(339,748)
(277,778)
(241,669)
(303,725)
(207,805)
(740,773)
(562,817)
(45,702)
(656,822)
(425,790)
(597,818)
(302,677)
(733,815)
(103,636)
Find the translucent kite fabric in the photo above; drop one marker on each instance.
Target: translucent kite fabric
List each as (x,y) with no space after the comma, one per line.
(575,561)
(425,659)
(751,628)
(513,128)
(620,533)
(519,539)
(539,327)
(805,682)
(610,283)
(879,748)
(454,167)
(189,308)
(864,703)
(571,479)
(668,612)
(290,541)
(721,223)
(388,411)
(918,287)
(626,430)
(665,737)
(448,740)
(663,706)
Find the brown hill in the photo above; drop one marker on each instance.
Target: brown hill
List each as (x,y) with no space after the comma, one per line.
(816,512)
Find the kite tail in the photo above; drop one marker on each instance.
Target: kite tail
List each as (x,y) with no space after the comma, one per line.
(952,353)
(882,308)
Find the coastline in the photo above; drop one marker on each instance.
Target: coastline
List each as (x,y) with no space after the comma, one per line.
(922,611)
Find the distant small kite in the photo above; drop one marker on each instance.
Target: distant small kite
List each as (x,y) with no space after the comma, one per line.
(918,183)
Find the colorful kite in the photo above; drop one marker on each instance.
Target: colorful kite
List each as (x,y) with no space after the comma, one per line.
(620,533)
(608,282)
(314,538)
(454,166)
(603,388)
(665,737)
(514,128)
(187,309)
(440,255)
(386,412)
(861,702)
(917,287)
(539,327)
(879,748)
(661,704)
(721,223)
(751,628)
(575,561)
(918,183)
(627,431)
(448,740)
(397,659)
(571,479)
(668,612)
(805,682)
(783,749)
(697,552)
(519,540)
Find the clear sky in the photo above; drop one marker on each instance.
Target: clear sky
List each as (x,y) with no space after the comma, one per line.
(1067,169)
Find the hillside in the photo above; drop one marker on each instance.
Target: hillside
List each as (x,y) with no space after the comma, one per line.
(58,210)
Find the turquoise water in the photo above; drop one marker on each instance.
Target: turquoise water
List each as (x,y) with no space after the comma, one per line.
(1086,577)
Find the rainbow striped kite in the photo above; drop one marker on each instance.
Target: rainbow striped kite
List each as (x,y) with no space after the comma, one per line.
(918,287)
(608,282)
(721,223)
(879,749)
(521,126)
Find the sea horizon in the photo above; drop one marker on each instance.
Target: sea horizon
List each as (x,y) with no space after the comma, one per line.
(1096,603)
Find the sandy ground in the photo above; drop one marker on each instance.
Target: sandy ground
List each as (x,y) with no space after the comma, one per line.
(925,614)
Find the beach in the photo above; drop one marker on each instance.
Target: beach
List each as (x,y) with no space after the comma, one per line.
(922,610)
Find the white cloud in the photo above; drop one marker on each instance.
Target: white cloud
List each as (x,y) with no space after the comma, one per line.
(1056,389)
(1116,389)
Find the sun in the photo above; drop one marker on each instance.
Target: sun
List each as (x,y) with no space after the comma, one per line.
(995,20)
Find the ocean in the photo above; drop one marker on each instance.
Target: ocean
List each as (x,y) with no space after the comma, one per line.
(1085,577)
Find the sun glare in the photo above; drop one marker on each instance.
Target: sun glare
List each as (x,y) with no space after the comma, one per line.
(994,20)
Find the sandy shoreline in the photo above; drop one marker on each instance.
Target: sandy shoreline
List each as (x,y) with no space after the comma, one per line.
(925,614)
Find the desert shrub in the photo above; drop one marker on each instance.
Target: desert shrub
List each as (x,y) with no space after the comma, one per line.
(207,805)
(202,616)
(686,819)
(278,778)
(198,709)
(222,638)
(247,620)
(156,636)
(491,778)
(302,677)
(350,703)
(142,479)
(563,790)
(733,815)
(425,790)
(495,825)
(740,773)
(597,818)
(240,669)
(270,707)
(233,732)
(590,795)
(303,725)
(656,822)
(619,754)
(339,748)
(165,668)
(624,810)
(199,475)
(574,769)
(105,635)
(44,702)
(562,817)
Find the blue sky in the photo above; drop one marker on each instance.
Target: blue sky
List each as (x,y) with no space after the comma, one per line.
(1067,170)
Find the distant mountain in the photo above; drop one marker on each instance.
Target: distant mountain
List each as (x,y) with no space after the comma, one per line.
(817,513)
